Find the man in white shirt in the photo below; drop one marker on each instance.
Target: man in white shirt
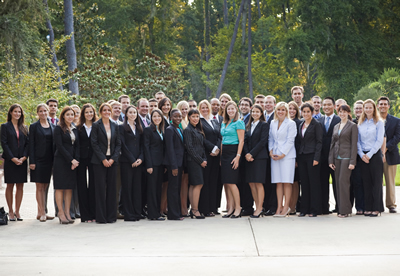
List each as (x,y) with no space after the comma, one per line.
(116,112)
(297,95)
(53,108)
(260,100)
(269,104)
(153,104)
(143,110)
(317,107)
(215,106)
(125,101)
(159,96)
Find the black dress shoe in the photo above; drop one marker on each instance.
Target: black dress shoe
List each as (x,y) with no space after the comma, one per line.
(269,213)
(158,219)
(302,215)
(78,216)
(245,213)
(392,210)
(333,211)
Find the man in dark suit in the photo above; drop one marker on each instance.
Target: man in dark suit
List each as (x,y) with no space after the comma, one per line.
(215,106)
(391,157)
(328,122)
(270,199)
(125,101)
(260,100)
(53,108)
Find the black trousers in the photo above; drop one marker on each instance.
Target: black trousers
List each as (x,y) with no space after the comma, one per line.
(356,185)
(154,184)
(246,198)
(219,190)
(86,193)
(372,175)
(310,184)
(106,193)
(270,198)
(144,188)
(174,194)
(325,173)
(131,186)
(208,194)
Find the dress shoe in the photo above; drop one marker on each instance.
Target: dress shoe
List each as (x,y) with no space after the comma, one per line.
(269,213)
(77,216)
(246,213)
(209,215)
(158,219)
(334,211)
(120,216)
(228,215)
(392,210)
(302,215)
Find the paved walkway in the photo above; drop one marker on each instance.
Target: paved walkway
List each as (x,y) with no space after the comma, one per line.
(326,245)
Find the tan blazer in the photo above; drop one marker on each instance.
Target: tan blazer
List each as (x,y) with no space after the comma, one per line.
(345,144)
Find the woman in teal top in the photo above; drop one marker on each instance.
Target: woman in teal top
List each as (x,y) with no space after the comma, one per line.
(232,131)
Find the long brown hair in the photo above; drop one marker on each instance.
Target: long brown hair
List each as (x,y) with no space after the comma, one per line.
(162,102)
(161,125)
(62,123)
(262,118)
(137,120)
(376,116)
(21,121)
(226,116)
(82,118)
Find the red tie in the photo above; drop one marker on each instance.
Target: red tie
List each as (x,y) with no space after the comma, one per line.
(53,121)
(215,118)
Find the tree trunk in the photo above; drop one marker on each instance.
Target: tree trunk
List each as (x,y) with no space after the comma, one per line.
(51,42)
(151,25)
(259,9)
(249,54)
(228,57)
(70,44)
(226,20)
(207,41)
(242,74)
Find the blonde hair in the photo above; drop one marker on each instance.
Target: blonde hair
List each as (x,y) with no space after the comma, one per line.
(279,105)
(42,105)
(376,116)
(185,121)
(207,103)
(223,95)
(75,106)
(226,116)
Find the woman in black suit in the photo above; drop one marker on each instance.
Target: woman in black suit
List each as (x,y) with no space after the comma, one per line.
(41,154)
(66,160)
(15,144)
(309,147)
(131,164)
(153,150)
(86,187)
(294,114)
(212,144)
(196,160)
(173,159)
(256,154)
(106,144)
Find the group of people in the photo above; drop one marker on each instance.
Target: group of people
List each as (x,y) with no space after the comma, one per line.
(153,161)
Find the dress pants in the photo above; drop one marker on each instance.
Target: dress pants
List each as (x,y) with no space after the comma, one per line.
(357,186)
(342,175)
(154,184)
(173,194)
(131,186)
(372,174)
(310,184)
(106,193)
(144,189)
(246,198)
(208,194)
(325,172)
(86,193)
(389,171)
(270,198)
(120,207)
(219,190)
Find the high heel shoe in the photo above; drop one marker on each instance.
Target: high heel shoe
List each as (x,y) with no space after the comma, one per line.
(63,221)
(237,216)
(70,221)
(257,216)
(287,213)
(228,215)
(375,214)
(12,219)
(18,218)
(43,219)
(193,215)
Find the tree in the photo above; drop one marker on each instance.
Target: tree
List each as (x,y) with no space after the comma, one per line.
(70,44)
(249,54)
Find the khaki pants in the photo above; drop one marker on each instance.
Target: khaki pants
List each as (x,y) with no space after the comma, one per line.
(389,171)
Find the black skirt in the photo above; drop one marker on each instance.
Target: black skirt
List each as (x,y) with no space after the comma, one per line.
(195,172)
(44,166)
(63,177)
(15,173)
(228,174)
(255,171)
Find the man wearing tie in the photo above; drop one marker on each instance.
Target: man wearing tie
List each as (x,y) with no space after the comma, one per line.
(215,106)
(53,108)
(297,95)
(125,101)
(143,110)
(260,100)
(317,107)
(328,121)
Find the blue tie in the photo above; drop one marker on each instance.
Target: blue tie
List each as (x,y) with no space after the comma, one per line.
(327,123)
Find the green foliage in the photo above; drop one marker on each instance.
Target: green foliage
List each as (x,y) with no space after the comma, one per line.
(367,93)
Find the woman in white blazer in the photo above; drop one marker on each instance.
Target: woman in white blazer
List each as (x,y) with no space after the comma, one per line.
(282,134)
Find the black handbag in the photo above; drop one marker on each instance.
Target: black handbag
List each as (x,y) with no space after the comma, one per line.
(3,216)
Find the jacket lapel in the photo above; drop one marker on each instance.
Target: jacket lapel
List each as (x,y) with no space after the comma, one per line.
(103,128)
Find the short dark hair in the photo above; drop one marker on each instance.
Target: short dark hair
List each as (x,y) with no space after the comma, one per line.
(123,97)
(346,107)
(383,98)
(309,105)
(141,99)
(331,99)
(52,100)
(153,100)
(297,87)
(246,99)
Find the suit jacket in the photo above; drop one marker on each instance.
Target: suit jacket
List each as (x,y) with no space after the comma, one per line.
(153,147)
(37,141)
(255,143)
(312,140)
(194,144)
(219,119)
(56,121)
(9,142)
(131,145)
(246,120)
(345,144)
(327,136)
(98,138)
(282,140)
(64,146)
(85,144)
(120,118)
(213,135)
(141,122)
(174,148)
(392,130)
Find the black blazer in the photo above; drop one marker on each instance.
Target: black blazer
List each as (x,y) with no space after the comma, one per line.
(55,121)
(392,130)
(194,144)
(255,143)
(98,138)
(85,144)
(327,136)
(218,120)
(298,122)
(37,141)
(131,145)
(153,147)
(141,122)
(213,135)
(10,145)
(312,140)
(174,148)
(64,147)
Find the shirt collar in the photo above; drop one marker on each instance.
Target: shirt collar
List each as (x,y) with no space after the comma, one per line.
(87,126)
